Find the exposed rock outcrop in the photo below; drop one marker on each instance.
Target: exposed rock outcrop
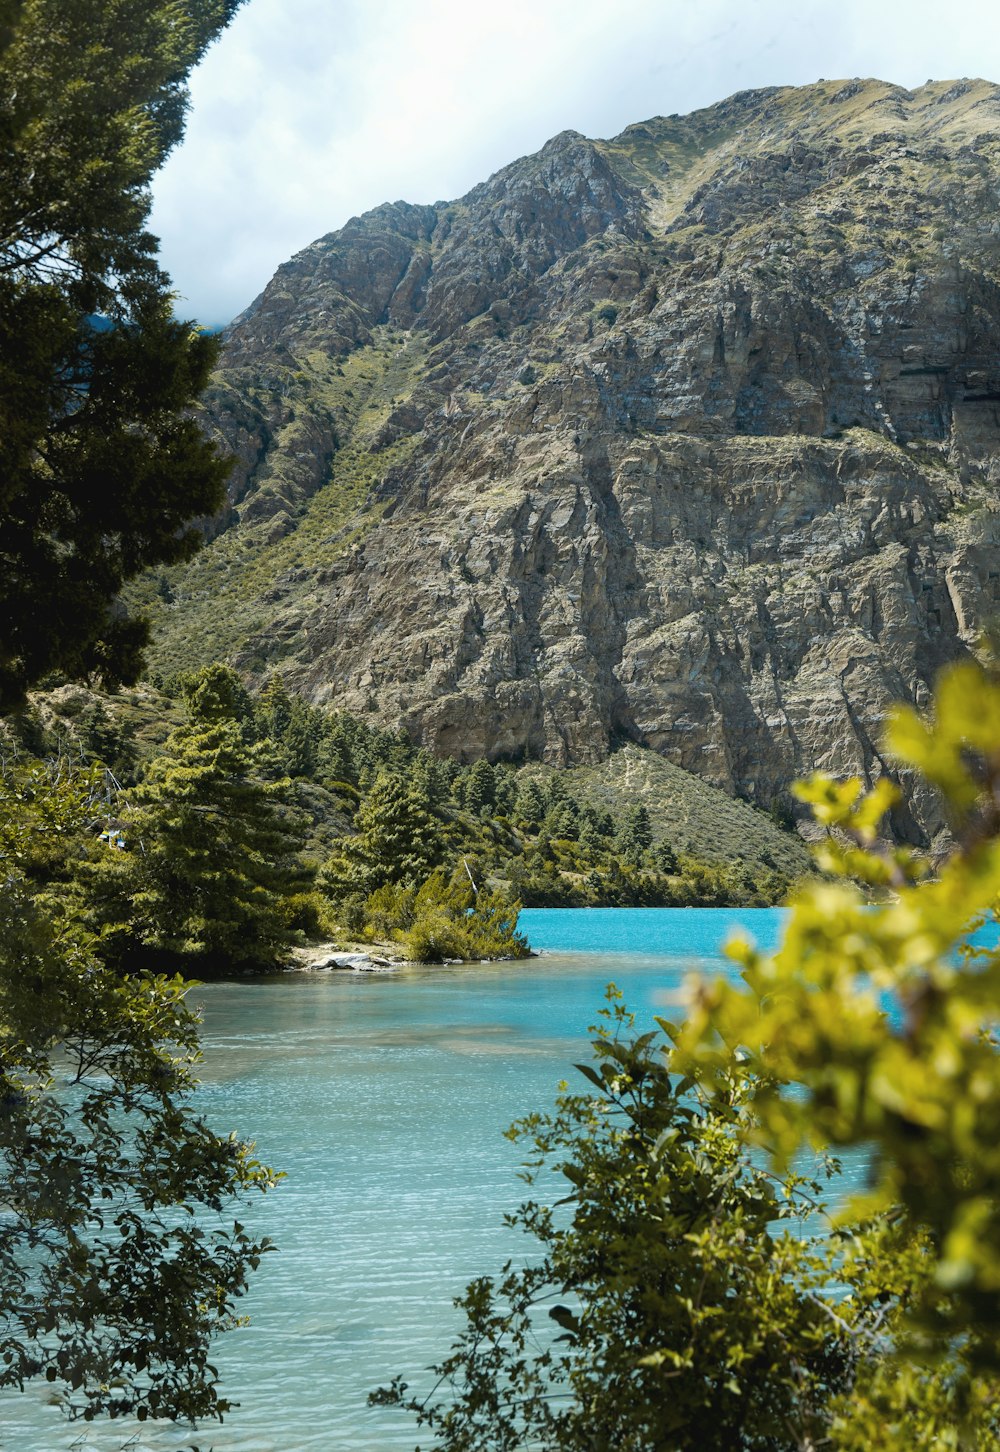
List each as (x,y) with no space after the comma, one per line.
(690,437)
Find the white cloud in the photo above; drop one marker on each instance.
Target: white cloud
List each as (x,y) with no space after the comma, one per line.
(309,111)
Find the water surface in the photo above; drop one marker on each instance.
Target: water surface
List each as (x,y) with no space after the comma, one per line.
(384,1099)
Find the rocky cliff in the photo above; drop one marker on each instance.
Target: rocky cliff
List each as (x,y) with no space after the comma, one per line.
(689,438)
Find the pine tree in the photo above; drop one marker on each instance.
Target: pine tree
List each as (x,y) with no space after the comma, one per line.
(335,762)
(506,789)
(209,859)
(103,1157)
(530,802)
(302,740)
(274,709)
(399,840)
(639,827)
(217,693)
(113,1280)
(561,820)
(102,464)
(430,777)
(480,788)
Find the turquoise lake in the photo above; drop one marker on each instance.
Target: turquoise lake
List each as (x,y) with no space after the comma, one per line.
(384,1099)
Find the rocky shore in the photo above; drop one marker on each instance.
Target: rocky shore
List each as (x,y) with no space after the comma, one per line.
(353,958)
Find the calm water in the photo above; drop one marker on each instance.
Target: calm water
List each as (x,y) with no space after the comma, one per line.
(384,1099)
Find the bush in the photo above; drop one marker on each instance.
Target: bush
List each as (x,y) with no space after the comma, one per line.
(389,910)
(433,938)
(305,913)
(452,920)
(350,915)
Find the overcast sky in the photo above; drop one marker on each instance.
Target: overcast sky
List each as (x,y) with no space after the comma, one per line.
(307,112)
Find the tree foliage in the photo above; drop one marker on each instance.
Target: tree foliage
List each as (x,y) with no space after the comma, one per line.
(688,1317)
(398,840)
(884,1016)
(679,1301)
(101,464)
(210,855)
(453,919)
(117,1265)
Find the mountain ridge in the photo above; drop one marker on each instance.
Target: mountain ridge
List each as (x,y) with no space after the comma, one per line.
(687,437)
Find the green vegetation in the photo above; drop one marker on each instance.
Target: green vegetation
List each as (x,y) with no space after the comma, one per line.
(208,875)
(110,1289)
(920,1088)
(117,1263)
(698,820)
(333,411)
(695,1304)
(685,1295)
(256,826)
(446,919)
(101,464)
(634,831)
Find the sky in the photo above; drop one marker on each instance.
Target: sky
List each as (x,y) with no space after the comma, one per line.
(308,112)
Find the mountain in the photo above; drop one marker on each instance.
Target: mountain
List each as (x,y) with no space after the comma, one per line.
(688,438)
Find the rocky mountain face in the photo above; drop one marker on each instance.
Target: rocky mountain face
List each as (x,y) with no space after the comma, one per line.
(689,438)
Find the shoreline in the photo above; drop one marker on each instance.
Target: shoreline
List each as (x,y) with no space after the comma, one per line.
(379,957)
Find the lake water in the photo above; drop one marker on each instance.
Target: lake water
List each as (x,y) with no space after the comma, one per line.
(384,1099)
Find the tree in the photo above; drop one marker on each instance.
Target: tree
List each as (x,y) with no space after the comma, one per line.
(634,835)
(683,1299)
(209,861)
(638,826)
(274,709)
(505,782)
(530,802)
(399,840)
(216,693)
(113,1276)
(117,1266)
(562,820)
(102,465)
(919,1087)
(684,1304)
(480,788)
(686,1317)
(452,919)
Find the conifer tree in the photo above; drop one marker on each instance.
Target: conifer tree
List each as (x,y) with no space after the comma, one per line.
(302,739)
(112,1278)
(637,826)
(531,802)
(102,465)
(562,820)
(274,709)
(506,789)
(209,860)
(399,840)
(480,788)
(110,1289)
(216,693)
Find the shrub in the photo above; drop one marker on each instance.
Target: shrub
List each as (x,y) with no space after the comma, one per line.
(433,938)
